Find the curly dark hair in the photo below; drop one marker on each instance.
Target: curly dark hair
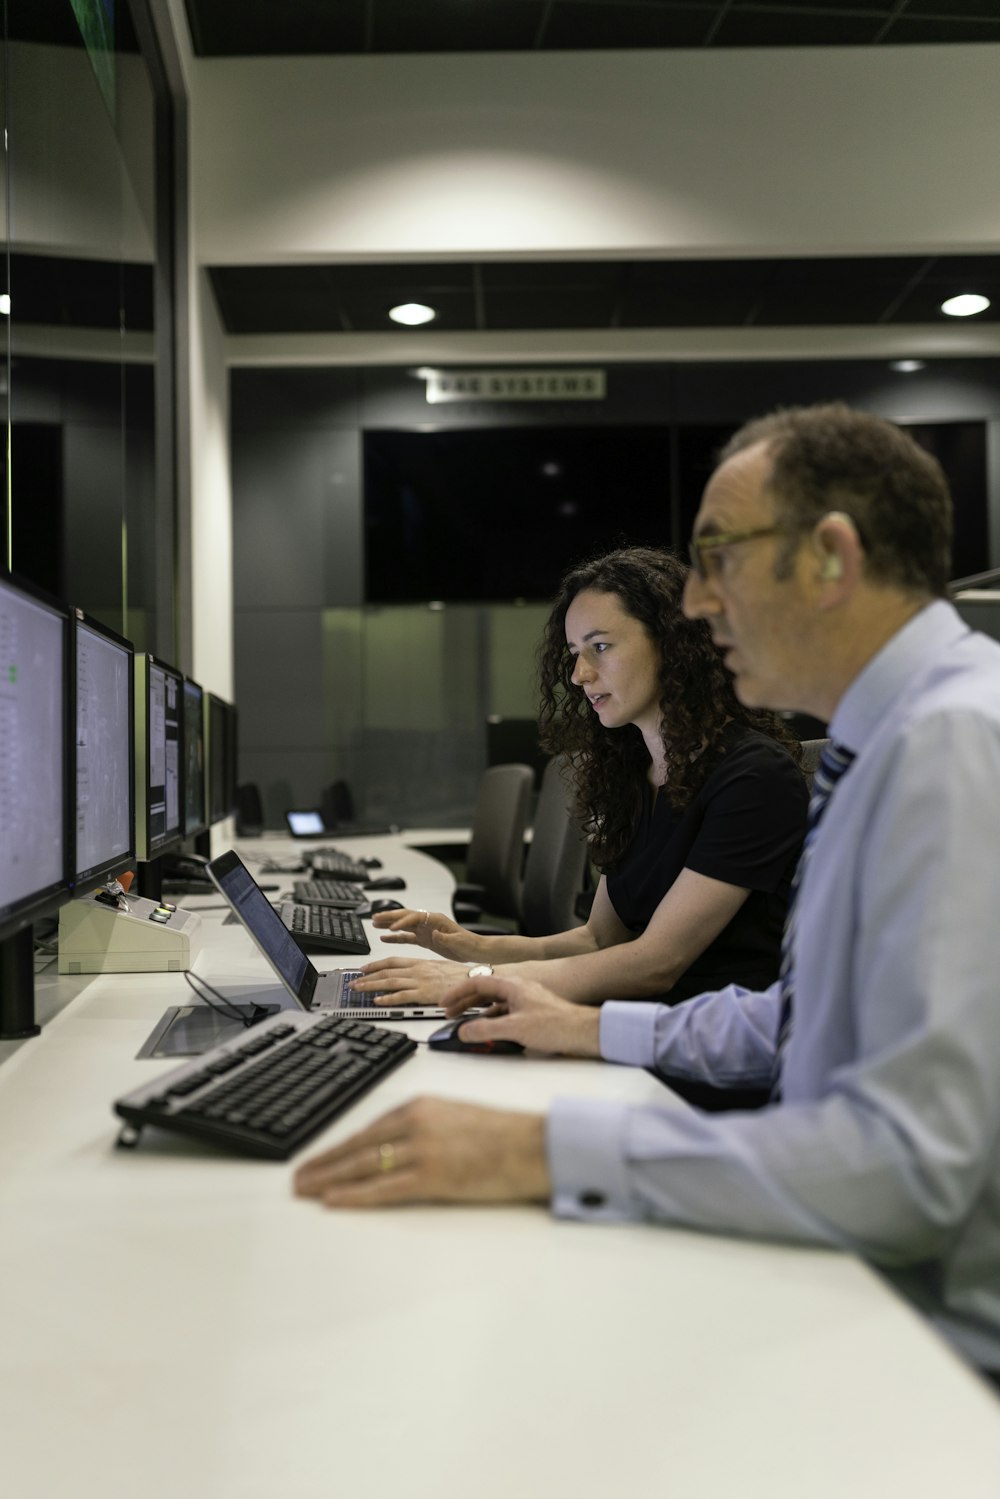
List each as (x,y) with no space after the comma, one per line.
(697,700)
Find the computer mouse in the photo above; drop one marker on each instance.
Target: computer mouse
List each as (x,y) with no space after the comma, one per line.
(386,882)
(386,905)
(449,1038)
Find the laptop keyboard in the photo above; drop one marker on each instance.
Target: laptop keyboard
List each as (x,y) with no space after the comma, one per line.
(324,926)
(328,892)
(341,866)
(270,1090)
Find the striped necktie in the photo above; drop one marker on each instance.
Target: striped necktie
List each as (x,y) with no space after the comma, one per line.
(833,762)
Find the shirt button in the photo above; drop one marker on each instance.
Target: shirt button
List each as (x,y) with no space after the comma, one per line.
(592,1199)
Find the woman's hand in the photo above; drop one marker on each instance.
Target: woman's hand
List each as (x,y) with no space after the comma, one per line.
(428,929)
(522,1010)
(432,1150)
(413,980)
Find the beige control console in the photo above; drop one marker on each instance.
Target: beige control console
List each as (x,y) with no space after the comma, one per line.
(98,934)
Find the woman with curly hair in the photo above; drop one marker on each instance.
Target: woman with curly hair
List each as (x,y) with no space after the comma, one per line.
(694,806)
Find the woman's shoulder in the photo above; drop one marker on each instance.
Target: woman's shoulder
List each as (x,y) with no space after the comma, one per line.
(746,751)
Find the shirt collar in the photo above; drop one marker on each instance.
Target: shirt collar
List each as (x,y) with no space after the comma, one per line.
(876,686)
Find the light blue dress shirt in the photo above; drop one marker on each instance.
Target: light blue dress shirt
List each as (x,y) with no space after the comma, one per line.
(887,1138)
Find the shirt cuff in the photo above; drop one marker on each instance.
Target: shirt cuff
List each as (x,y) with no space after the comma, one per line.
(628,1032)
(585,1146)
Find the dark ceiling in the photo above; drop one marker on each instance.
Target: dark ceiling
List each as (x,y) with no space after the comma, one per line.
(503,296)
(233,28)
(508,296)
(590,295)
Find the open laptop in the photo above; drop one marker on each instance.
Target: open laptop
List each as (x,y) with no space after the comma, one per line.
(308,822)
(310,989)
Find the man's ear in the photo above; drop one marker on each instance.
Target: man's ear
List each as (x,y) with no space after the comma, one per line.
(840,554)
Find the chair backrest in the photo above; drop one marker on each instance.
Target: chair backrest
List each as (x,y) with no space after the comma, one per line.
(336,804)
(249,810)
(811,751)
(557,859)
(496,843)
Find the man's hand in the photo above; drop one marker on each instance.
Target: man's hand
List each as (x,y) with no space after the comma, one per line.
(413,980)
(432,1150)
(525,1011)
(430,929)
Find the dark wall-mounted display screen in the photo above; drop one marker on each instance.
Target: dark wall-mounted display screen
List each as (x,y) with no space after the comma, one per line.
(489,515)
(497,514)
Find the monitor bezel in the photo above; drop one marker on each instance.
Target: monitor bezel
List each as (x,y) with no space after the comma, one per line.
(118,863)
(47,901)
(199,827)
(146,848)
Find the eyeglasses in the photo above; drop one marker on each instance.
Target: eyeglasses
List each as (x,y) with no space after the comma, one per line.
(699,545)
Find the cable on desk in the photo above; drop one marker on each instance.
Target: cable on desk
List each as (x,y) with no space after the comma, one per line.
(224,1008)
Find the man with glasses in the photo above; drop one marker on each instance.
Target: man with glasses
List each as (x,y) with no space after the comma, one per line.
(820,557)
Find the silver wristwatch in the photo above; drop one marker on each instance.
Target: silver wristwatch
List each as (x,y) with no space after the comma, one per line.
(480,970)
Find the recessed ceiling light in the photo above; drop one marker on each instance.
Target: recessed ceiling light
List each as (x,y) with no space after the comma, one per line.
(5,304)
(965,305)
(412,314)
(907,366)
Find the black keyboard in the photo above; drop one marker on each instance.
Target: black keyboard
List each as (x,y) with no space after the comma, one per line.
(272,1088)
(324,926)
(340,865)
(328,893)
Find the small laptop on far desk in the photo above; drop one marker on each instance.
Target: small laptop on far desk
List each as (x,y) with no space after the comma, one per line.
(309,989)
(308,822)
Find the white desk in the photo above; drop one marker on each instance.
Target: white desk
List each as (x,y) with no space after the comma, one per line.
(174,1323)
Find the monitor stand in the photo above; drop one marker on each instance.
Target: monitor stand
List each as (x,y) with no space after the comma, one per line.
(17,987)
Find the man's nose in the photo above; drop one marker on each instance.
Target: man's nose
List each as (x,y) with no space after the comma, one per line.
(699,600)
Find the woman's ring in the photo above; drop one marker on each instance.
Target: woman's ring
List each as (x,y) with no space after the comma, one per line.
(386,1158)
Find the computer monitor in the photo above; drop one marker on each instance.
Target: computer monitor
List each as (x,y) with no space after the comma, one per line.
(37,860)
(514,741)
(102,669)
(980,608)
(220,749)
(195,794)
(158,771)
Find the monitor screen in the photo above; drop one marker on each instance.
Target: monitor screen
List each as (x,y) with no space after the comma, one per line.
(105,812)
(195,820)
(34,755)
(158,698)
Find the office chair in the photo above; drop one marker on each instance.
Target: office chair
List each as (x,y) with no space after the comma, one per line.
(555,866)
(336,804)
(249,811)
(811,751)
(496,846)
(555,869)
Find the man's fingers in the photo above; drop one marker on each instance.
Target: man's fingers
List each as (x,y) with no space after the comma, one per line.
(377,1191)
(391,1129)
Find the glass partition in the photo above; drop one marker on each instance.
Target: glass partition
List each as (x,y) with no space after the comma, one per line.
(80,242)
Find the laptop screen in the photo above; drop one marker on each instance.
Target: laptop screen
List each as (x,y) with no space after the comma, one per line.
(305,824)
(265,925)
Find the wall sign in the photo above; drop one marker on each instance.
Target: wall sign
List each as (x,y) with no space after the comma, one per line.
(515,385)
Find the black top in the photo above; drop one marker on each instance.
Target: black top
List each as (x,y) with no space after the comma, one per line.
(744,827)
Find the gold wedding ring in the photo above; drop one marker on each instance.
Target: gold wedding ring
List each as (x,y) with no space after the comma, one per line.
(386,1158)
